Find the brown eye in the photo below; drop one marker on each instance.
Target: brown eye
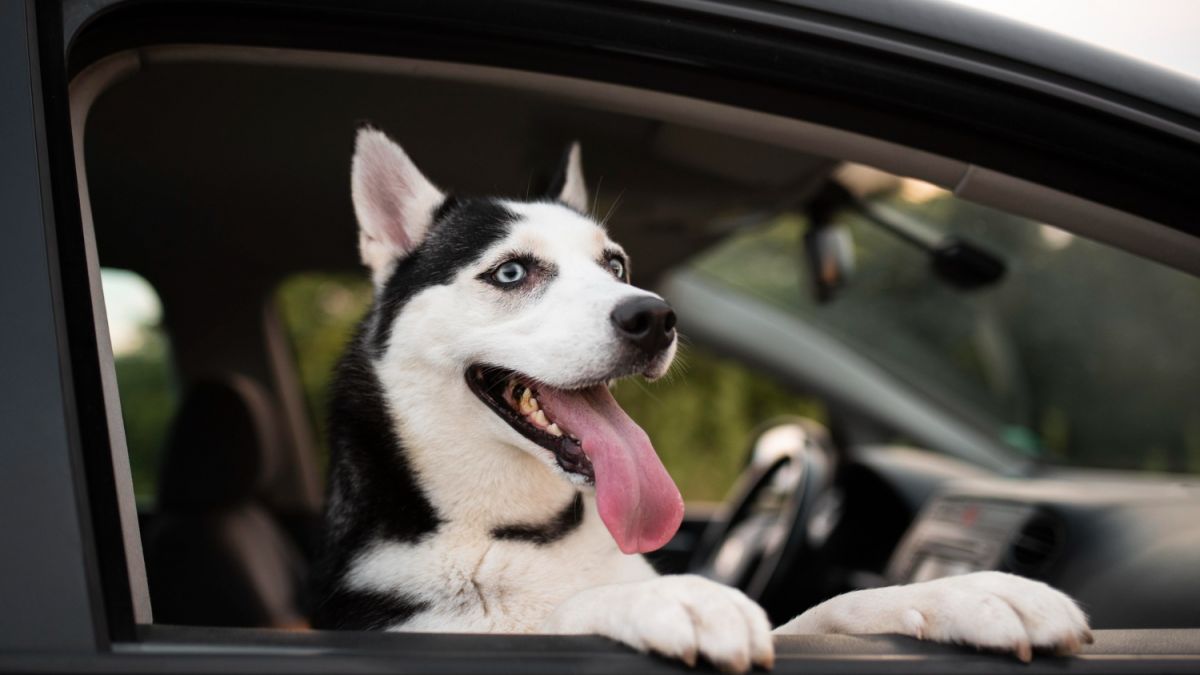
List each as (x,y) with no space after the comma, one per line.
(617,267)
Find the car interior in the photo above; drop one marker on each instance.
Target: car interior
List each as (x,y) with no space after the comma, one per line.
(217,173)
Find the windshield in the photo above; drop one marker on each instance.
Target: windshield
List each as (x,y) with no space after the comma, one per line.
(1079,354)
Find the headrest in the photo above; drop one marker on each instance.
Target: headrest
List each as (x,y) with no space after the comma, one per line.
(222,446)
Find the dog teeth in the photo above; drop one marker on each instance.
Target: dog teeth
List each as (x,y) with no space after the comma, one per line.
(528,404)
(529,408)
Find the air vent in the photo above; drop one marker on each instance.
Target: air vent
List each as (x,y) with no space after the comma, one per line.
(1036,546)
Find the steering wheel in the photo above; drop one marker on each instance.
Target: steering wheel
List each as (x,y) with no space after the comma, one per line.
(783,508)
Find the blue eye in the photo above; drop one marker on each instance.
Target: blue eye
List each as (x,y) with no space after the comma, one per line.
(509,273)
(617,267)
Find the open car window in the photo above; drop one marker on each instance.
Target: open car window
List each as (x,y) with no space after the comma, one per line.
(211,149)
(1073,356)
(146,377)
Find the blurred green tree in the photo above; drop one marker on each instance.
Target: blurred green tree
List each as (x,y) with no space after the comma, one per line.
(149,397)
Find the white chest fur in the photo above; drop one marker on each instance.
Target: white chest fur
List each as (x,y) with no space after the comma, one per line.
(467,580)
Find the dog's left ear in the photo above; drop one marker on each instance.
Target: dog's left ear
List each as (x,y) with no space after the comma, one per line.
(393,201)
(568,186)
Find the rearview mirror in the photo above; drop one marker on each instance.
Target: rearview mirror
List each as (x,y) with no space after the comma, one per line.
(829,247)
(830,252)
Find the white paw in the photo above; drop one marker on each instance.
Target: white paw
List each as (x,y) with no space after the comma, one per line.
(990,610)
(1023,614)
(683,617)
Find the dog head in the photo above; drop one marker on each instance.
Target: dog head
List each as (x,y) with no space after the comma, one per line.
(527,307)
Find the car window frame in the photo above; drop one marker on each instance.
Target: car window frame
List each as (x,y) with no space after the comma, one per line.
(50,586)
(108,598)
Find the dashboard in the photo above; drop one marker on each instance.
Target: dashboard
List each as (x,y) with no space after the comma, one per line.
(1126,546)
(959,534)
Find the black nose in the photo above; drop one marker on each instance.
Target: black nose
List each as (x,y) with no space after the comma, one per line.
(648,323)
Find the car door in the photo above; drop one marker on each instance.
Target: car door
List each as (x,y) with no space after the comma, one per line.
(71,584)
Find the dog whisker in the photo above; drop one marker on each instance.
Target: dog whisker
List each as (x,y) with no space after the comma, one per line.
(612,209)
(596,197)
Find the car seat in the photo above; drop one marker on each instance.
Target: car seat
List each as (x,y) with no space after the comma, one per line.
(215,553)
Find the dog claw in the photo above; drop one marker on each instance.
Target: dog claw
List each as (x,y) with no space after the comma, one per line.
(1068,647)
(1024,652)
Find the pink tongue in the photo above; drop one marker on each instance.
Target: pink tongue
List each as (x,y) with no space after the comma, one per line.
(637,499)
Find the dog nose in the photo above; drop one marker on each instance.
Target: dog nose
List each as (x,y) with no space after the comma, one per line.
(648,323)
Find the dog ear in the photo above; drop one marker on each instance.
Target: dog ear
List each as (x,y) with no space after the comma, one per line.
(393,201)
(568,186)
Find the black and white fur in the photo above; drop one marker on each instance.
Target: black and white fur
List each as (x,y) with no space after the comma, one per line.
(442,517)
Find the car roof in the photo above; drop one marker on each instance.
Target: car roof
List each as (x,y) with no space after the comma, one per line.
(949,33)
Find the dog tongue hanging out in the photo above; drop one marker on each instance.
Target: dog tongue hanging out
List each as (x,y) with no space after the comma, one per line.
(591,438)
(482,476)
(636,498)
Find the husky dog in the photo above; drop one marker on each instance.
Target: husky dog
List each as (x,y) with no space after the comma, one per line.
(484,480)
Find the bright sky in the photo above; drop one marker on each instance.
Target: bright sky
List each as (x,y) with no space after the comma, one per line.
(1163,32)
(132,306)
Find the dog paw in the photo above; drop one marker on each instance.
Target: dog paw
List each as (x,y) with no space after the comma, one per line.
(989,610)
(1000,611)
(684,617)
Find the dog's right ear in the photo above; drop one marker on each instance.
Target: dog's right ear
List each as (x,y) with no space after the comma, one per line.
(393,201)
